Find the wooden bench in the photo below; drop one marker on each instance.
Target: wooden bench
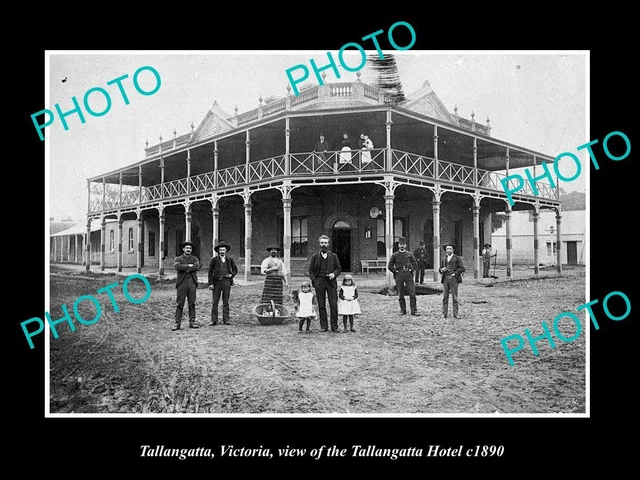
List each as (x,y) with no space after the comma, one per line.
(254,268)
(368,265)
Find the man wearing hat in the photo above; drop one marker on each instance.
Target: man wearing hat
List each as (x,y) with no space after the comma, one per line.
(276,276)
(322,151)
(187,266)
(402,264)
(421,257)
(451,268)
(222,269)
(486,259)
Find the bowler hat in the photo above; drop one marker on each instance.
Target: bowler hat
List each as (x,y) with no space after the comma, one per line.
(446,244)
(421,242)
(222,244)
(402,240)
(273,247)
(184,244)
(487,244)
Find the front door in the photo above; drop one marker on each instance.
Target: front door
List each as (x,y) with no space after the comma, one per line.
(341,246)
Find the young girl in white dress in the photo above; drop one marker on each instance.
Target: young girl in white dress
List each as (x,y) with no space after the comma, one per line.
(348,304)
(305,302)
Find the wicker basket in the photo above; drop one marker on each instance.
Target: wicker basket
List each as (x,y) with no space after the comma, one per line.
(271,319)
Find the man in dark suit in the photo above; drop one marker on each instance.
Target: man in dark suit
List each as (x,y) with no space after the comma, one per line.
(187,266)
(402,264)
(451,268)
(421,257)
(222,269)
(323,272)
(322,150)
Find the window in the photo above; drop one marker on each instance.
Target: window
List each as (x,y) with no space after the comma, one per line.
(399,225)
(551,248)
(152,244)
(112,240)
(166,244)
(399,230)
(131,240)
(457,236)
(382,252)
(299,239)
(179,240)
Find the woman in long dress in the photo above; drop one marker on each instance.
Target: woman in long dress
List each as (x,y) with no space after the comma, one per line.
(345,153)
(276,277)
(366,150)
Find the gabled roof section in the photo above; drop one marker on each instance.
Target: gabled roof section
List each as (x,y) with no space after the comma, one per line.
(426,102)
(215,121)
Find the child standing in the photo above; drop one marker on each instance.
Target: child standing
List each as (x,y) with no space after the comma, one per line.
(305,302)
(348,305)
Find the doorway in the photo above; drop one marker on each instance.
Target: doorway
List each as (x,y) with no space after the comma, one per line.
(341,244)
(427,236)
(195,239)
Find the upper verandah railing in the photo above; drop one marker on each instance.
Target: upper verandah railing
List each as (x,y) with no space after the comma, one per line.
(108,196)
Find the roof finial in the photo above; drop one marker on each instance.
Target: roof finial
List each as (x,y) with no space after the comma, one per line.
(472,114)
(488,120)
(146,143)
(324,75)
(260,99)
(236,109)
(160,138)
(174,132)
(288,89)
(358,75)
(455,110)
(192,126)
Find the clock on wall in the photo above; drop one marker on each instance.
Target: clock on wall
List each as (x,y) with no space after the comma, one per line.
(374,212)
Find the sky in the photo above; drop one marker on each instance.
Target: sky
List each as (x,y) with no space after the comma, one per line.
(537,100)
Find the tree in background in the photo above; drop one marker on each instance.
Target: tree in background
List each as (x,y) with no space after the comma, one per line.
(573,200)
(386,77)
(497,219)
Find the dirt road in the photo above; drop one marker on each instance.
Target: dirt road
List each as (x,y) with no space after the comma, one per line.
(131,361)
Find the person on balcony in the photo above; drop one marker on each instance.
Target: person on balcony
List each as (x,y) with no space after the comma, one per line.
(322,154)
(366,150)
(345,153)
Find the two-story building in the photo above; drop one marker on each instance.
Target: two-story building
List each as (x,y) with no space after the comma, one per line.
(252,179)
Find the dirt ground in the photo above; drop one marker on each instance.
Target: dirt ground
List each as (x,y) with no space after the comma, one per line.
(131,361)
